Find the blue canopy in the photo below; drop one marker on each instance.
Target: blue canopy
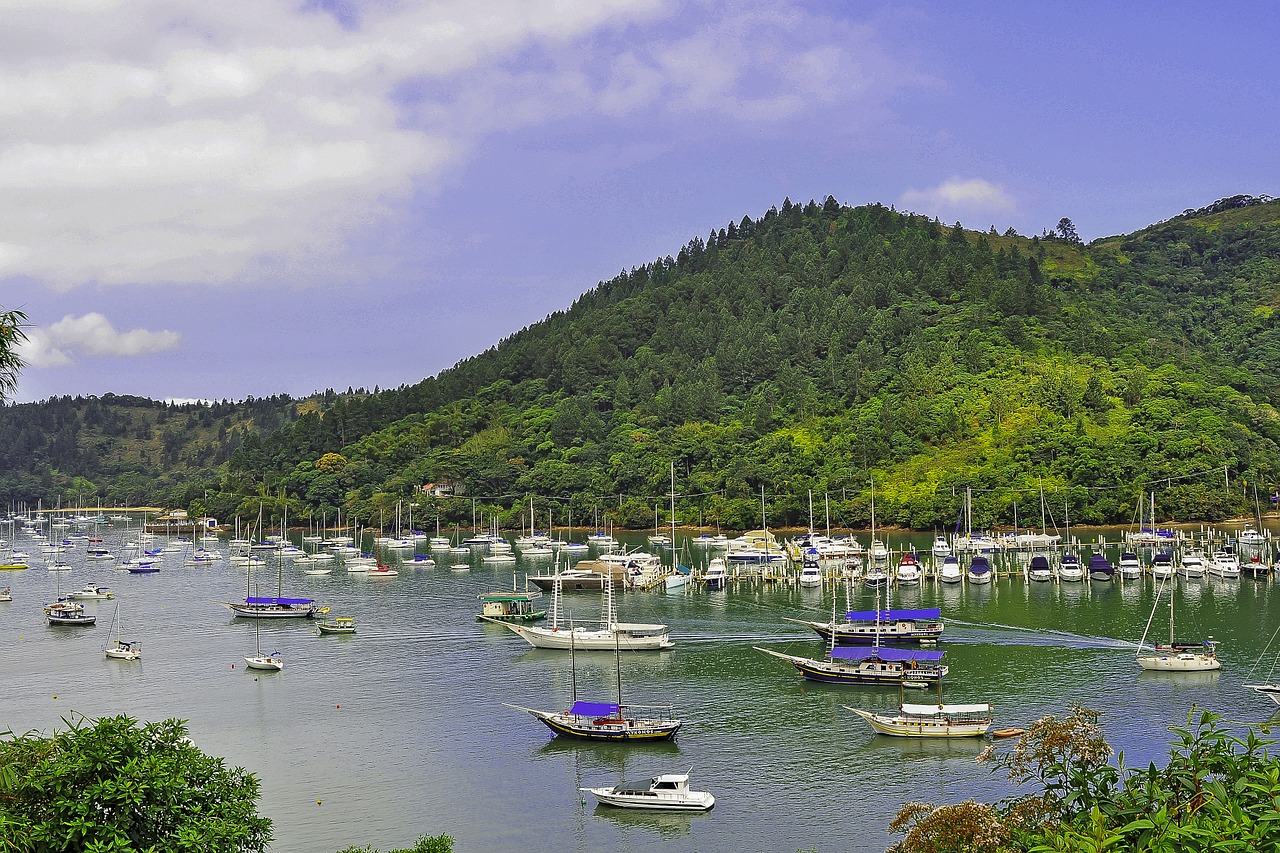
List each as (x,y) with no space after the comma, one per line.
(595,709)
(979,564)
(291,602)
(863,653)
(893,615)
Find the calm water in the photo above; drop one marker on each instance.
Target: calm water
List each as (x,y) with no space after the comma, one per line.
(400,730)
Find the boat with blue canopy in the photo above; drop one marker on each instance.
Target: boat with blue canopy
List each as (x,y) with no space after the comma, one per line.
(882,626)
(875,665)
(275,607)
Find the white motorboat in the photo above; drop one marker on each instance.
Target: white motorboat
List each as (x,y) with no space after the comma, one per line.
(717,573)
(1224,564)
(1069,569)
(941,547)
(92,592)
(944,721)
(1193,564)
(979,570)
(908,571)
(950,571)
(810,571)
(667,792)
(1130,566)
(1039,569)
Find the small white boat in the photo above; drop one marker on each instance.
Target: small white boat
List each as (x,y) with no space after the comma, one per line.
(1070,570)
(5,595)
(1130,566)
(272,662)
(1039,569)
(979,570)
(1224,564)
(941,547)
(908,571)
(666,792)
(92,592)
(716,574)
(1176,656)
(810,571)
(950,571)
(1192,564)
(121,649)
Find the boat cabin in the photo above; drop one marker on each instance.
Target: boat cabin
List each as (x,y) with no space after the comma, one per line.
(511,605)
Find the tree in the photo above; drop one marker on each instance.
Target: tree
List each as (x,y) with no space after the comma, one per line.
(11,335)
(117,785)
(1067,231)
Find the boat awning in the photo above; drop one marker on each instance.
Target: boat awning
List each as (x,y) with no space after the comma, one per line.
(863,653)
(893,615)
(511,596)
(289,602)
(595,709)
(928,710)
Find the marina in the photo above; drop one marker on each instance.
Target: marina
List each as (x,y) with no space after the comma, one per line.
(414,701)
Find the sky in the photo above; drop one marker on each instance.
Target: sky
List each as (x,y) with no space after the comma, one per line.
(245,198)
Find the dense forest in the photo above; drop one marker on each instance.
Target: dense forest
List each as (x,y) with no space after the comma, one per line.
(819,350)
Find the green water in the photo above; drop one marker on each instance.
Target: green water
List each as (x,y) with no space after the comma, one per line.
(401,729)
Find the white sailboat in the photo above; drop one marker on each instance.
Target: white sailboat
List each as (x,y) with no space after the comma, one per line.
(272,662)
(1176,656)
(122,649)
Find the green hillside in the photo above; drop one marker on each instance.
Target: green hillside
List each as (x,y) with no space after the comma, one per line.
(820,348)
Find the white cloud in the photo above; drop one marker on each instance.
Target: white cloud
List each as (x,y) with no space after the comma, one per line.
(176,141)
(58,345)
(958,197)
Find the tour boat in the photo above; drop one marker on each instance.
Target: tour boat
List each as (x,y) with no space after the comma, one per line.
(934,720)
(882,626)
(337,625)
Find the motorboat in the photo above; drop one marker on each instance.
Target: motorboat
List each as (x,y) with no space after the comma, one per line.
(92,592)
(337,625)
(717,574)
(908,571)
(979,570)
(933,720)
(511,605)
(941,547)
(810,570)
(1039,569)
(1100,568)
(666,792)
(1162,565)
(1130,566)
(1193,564)
(1224,564)
(1069,569)
(950,571)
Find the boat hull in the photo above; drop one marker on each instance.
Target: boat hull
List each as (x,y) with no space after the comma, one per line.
(650,638)
(617,728)
(892,673)
(271,611)
(860,633)
(1179,662)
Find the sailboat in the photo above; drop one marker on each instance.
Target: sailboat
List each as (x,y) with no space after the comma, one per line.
(921,720)
(123,649)
(867,665)
(271,662)
(278,607)
(629,635)
(606,720)
(1176,656)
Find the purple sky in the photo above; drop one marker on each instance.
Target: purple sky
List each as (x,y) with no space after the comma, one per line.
(215,200)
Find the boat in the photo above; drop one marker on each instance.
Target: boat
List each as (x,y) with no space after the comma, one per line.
(5,595)
(873,665)
(511,605)
(1130,566)
(1251,536)
(882,626)
(98,554)
(272,662)
(979,570)
(627,635)
(932,720)
(92,592)
(64,612)
(337,625)
(1069,569)
(1176,656)
(908,571)
(950,571)
(810,571)
(1192,565)
(277,607)
(141,568)
(1039,569)
(1100,568)
(585,576)
(1162,564)
(121,649)
(678,579)
(611,721)
(1224,564)
(717,574)
(941,547)
(666,792)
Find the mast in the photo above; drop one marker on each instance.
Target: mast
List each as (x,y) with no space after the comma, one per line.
(617,666)
(573,666)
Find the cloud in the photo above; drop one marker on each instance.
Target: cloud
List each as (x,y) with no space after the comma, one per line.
(58,345)
(960,196)
(176,141)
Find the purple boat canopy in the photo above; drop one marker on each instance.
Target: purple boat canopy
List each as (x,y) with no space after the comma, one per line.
(893,615)
(595,709)
(290,602)
(864,653)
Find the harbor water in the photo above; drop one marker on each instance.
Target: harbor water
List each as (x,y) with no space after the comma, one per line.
(401,729)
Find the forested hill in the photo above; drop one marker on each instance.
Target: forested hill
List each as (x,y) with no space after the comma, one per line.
(821,347)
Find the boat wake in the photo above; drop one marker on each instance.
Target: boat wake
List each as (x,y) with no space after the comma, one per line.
(980,632)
